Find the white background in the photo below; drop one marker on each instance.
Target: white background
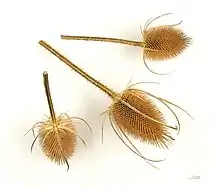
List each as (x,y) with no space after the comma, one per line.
(194,86)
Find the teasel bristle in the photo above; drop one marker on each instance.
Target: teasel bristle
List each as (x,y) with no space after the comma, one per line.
(159,43)
(57,134)
(132,112)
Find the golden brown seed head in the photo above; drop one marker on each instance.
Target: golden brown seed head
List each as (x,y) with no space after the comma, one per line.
(58,143)
(168,40)
(136,124)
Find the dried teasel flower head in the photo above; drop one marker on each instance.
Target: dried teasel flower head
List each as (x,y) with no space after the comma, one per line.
(57,134)
(167,41)
(58,144)
(136,123)
(132,112)
(159,43)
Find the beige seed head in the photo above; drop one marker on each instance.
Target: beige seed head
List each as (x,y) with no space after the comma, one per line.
(57,134)
(58,141)
(159,43)
(135,123)
(164,42)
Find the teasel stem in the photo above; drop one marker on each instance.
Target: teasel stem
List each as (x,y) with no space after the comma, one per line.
(108,91)
(49,98)
(103,39)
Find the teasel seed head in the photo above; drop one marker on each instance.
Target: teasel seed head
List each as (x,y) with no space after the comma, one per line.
(57,134)
(167,41)
(58,142)
(135,124)
(159,43)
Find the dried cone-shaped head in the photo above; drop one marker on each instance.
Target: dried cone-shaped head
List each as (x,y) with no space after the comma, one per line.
(58,142)
(166,42)
(131,118)
(57,134)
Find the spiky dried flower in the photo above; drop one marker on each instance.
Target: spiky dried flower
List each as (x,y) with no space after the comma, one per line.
(57,134)
(169,42)
(135,124)
(159,43)
(132,112)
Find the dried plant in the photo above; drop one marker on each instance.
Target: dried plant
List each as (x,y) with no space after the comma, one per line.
(159,43)
(57,134)
(132,113)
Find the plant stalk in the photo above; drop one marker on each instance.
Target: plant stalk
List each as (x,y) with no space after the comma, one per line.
(49,98)
(98,84)
(104,39)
